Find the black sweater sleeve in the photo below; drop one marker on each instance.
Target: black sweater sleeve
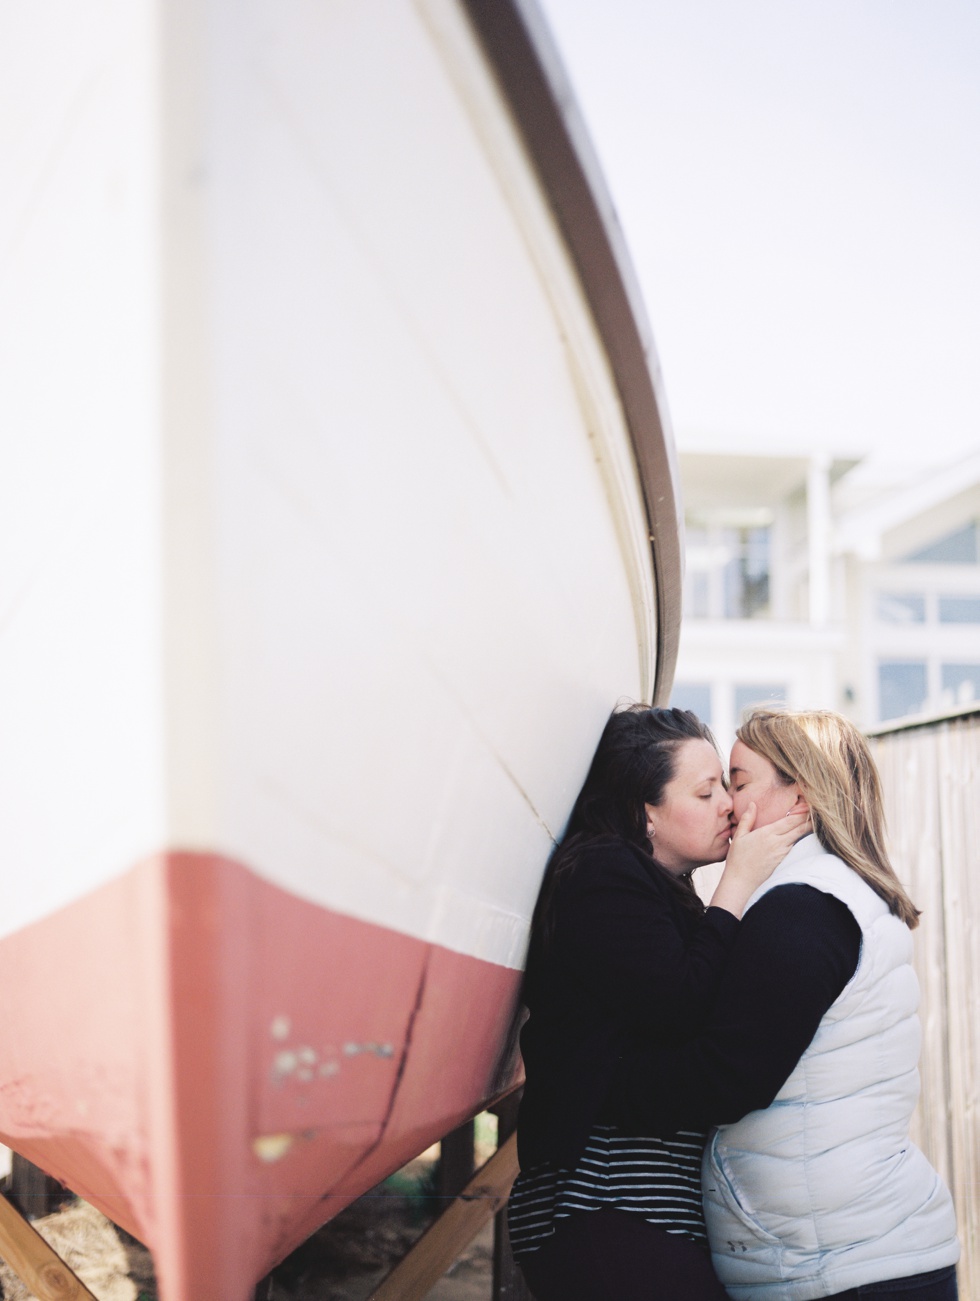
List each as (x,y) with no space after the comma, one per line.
(795,951)
(625,941)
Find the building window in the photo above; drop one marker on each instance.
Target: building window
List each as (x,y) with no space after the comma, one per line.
(960,684)
(749,696)
(728,567)
(695,696)
(747,573)
(698,603)
(962,547)
(901,688)
(959,609)
(901,607)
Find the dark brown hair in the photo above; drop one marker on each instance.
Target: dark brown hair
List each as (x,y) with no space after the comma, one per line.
(634,762)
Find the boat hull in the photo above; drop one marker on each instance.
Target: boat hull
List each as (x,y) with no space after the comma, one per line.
(363,519)
(214,1095)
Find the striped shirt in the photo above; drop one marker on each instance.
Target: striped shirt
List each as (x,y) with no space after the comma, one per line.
(658,1178)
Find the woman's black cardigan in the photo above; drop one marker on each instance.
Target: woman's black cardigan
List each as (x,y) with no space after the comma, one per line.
(624,963)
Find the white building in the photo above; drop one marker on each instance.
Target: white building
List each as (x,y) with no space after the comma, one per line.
(808,586)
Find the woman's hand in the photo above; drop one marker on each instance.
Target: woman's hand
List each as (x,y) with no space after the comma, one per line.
(753,856)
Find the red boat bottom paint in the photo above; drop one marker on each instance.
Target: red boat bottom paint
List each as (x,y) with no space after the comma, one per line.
(221,1066)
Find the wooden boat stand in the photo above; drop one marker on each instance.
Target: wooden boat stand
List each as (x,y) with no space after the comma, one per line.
(484,1196)
(37,1265)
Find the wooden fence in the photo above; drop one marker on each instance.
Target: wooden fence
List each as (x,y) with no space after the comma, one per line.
(931,776)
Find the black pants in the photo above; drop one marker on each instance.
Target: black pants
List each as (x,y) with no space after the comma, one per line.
(938,1285)
(615,1256)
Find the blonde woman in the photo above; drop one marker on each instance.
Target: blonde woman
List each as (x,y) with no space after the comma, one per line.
(813,1188)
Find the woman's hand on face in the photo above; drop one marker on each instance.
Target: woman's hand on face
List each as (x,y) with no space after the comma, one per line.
(757,852)
(754,855)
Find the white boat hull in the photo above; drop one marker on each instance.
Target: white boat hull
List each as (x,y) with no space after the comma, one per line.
(344,558)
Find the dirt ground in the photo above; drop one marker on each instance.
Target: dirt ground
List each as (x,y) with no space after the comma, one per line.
(343,1261)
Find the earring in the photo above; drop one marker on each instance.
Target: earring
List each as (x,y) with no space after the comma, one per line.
(651,830)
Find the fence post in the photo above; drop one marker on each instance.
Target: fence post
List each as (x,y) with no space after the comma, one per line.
(508,1281)
(456,1161)
(31,1190)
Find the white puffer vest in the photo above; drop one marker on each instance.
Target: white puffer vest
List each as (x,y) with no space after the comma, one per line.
(823,1191)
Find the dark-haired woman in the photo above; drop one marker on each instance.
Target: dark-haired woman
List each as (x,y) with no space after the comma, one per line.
(623,953)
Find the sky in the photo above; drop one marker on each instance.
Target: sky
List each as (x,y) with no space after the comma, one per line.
(799,186)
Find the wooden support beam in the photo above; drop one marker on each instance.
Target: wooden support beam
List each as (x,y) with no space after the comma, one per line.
(37,1265)
(456,1160)
(484,1195)
(508,1281)
(32,1190)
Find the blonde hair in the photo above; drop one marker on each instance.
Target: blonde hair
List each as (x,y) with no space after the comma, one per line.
(826,755)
